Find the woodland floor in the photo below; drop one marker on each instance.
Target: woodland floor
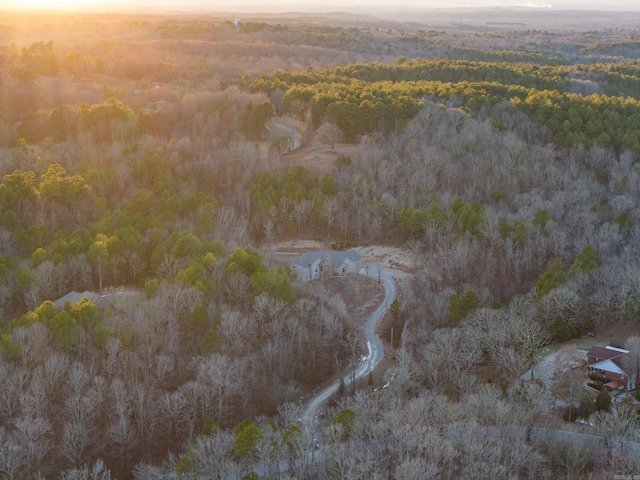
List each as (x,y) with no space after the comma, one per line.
(318,158)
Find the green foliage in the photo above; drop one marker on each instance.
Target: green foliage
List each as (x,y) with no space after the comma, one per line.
(8,267)
(275,283)
(552,278)
(46,311)
(343,161)
(150,287)
(25,320)
(26,279)
(18,188)
(10,349)
(126,340)
(254,119)
(603,401)
(586,407)
(560,330)
(247,435)
(99,250)
(518,233)
(244,260)
(395,310)
(360,97)
(587,260)
(498,195)
(144,201)
(67,191)
(38,256)
(297,185)
(65,331)
(541,219)
(597,377)
(462,305)
(210,342)
(292,436)
(198,274)
(624,221)
(186,245)
(209,428)
(412,221)
(467,217)
(272,191)
(184,466)
(85,312)
(347,419)
(198,316)
(101,335)
(328,185)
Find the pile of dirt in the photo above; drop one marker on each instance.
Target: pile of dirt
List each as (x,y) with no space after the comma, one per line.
(399,260)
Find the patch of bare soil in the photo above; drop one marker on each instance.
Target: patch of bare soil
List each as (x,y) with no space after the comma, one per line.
(319,158)
(361,295)
(299,246)
(398,260)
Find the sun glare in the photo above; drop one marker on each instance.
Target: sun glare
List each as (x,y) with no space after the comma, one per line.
(56,5)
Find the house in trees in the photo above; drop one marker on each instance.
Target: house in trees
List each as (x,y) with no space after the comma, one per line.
(607,361)
(314,265)
(75,297)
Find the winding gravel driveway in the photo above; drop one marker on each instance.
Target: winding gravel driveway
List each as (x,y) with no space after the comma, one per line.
(374,346)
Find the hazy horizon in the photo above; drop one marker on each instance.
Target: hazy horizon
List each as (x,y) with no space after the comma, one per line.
(279,6)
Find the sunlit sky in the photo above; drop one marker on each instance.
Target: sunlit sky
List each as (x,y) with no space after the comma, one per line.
(360,6)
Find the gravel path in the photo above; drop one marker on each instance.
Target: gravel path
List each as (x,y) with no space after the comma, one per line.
(543,371)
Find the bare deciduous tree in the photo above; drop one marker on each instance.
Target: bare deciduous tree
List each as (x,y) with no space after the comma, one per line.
(11,456)
(97,471)
(631,360)
(618,428)
(329,210)
(568,374)
(330,134)
(33,437)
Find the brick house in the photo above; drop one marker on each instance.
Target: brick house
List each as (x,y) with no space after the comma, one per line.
(607,361)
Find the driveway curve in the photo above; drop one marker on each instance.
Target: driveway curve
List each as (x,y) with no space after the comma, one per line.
(374,345)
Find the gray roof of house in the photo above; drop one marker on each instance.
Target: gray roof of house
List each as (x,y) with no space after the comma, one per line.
(75,297)
(609,366)
(337,257)
(340,257)
(606,352)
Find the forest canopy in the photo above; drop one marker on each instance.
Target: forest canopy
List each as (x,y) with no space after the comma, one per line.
(153,167)
(361,98)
